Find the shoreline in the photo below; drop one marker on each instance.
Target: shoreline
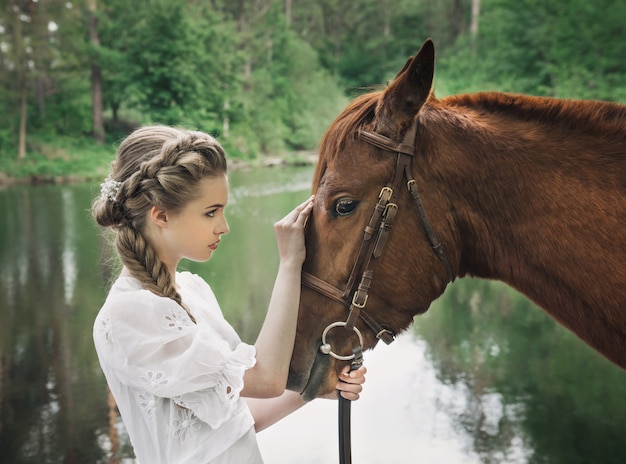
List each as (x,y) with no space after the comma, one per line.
(300,159)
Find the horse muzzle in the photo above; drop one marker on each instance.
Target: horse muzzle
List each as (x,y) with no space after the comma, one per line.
(315,382)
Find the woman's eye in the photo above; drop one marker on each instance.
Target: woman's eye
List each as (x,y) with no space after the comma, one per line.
(345,207)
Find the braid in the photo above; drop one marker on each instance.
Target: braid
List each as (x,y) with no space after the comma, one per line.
(142,261)
(144,264)
(155,165)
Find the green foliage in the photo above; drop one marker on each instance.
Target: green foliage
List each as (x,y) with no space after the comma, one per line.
(292,98)
(268,83)
(568,49)
(161,62)
(51,156)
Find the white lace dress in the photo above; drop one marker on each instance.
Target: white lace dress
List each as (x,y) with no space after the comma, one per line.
(176,383)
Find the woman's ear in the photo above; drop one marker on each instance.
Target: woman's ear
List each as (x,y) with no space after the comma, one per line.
(158,216)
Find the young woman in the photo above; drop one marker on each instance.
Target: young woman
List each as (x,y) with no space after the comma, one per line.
(187,388)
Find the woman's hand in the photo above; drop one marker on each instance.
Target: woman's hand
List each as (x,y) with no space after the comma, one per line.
(289,233)
(350,384)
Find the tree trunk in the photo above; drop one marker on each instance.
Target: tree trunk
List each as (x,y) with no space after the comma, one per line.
(96,97)
(288,12)
(226,119)
(457,22)
(474,22)
(96,77)
(21,151)
(21,73)
(40,55)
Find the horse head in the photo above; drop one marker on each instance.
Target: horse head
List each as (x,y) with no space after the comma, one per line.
(359,184)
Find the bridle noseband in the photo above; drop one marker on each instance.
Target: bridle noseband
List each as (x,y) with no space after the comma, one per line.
(375,237)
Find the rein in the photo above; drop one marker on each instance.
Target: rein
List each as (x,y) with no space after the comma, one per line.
(378,228)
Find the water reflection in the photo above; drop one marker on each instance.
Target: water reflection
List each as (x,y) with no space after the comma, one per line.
(46,353)
(397,420)
(483,377)
(69,241)
(552,394)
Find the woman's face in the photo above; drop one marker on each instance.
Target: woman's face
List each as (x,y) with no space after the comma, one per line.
(195,231)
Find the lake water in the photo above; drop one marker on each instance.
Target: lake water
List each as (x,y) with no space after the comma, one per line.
(483,377)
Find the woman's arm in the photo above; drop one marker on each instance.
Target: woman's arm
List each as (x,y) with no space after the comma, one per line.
(268,411)
(274,345)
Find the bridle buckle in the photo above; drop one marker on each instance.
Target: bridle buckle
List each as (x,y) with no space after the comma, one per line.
(357,296)
(387,192)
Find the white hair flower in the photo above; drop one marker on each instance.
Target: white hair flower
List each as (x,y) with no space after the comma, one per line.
(109,189)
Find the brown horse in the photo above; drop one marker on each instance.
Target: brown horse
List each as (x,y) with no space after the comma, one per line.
(527,190)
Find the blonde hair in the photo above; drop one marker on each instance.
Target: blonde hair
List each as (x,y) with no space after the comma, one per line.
(155,166)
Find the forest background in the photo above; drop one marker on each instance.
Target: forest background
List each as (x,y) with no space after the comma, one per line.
(268,76)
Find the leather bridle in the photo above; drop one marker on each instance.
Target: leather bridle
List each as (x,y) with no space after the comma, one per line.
(375,237)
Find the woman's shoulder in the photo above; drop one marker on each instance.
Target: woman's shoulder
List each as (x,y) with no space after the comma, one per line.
(127,292)
(198,295)
(130,288)
(191,281)
(132,313)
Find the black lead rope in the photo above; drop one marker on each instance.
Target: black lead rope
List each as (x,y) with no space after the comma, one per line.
(345,445)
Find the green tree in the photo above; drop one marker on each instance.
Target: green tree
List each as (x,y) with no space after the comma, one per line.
(583,46)
(96,75)
(570,49)
(284,98)
(269,75)
(219,63)
(364,43)
(173,64)
(160,61)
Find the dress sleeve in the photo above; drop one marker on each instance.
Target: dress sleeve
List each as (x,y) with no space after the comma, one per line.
(157,349)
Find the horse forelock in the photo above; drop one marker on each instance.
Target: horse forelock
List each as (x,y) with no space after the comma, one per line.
(344,128)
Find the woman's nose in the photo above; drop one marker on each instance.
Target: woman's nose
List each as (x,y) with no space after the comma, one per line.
(224,226)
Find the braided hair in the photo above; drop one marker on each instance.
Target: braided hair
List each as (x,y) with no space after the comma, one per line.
(155,166)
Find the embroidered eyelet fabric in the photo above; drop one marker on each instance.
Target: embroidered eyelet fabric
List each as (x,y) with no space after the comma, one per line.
(176,383)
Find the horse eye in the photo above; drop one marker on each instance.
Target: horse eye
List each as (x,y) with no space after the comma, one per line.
(345,207)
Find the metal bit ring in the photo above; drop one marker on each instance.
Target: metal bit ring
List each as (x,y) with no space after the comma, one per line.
(327,349)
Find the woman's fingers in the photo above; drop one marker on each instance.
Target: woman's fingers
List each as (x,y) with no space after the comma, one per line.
(351,383)
(356,376)
(290,232)
(301,212)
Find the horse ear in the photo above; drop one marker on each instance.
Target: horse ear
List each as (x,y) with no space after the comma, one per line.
(422,70)
(405,67)
(410,89)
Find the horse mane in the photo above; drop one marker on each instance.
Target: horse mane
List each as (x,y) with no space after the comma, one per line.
(583,116)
